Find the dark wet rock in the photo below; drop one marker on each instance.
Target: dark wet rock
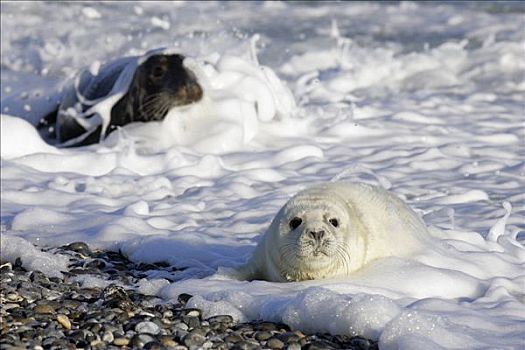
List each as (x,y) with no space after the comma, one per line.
(95,264)
(289,337)
(139,340)
(320,345)
(116,296)
(38,277)
(184,297)
(191,321)
(359,343)
(18,264)
(154,345)
(246,345)
(79,247)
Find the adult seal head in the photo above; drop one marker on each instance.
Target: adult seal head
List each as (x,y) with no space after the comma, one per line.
(333,230)
(130,89)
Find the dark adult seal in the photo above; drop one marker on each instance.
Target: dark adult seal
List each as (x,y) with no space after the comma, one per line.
(130,89)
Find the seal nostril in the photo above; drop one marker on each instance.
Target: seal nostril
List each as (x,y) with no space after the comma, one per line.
(317,235)
(194,91)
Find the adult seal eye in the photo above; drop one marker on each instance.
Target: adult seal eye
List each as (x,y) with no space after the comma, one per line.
(334,222)
(295,223)
(158,72)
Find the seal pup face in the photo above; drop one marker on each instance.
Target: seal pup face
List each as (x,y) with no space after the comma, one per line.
(312,236)
(161,83)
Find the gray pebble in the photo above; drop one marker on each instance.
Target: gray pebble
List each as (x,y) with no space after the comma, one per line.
(147,327)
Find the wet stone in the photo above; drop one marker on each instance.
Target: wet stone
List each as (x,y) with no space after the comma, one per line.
(4,268)
(320,345)
(184,297)
(116,296)
(289,337)
(167,341)
(293,346)
(222,319)
(191,321)
(44,309)
(38,277)
(121,341)
(275,343)
(79,247)
(192,312)
(262,335)
(139,340)
(108,337)
(95,264)
(266,326)
(154,345)
(18,264)
(194,340)
(359,343)
(147,327)
(246,345)
(233,338)
(64,321)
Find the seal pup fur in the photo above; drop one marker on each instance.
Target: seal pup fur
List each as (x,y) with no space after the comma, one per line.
(333,230)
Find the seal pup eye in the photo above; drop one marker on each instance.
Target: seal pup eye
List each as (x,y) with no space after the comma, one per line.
(295,223)
(334,222)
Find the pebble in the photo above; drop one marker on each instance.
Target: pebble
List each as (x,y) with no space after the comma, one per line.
(108,337)
(121,341)
(233,338)
(168,342)
(293,346)
(64,321)
(275,343)
(290,337)
(79,247)
(192,340)
(44,309)
(262,335)
(54,313)
(139,340)
(147,327)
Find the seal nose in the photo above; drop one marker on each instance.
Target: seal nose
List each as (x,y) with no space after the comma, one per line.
(317,235)
(193,92)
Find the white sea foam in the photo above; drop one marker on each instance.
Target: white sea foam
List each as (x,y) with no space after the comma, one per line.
(423,99)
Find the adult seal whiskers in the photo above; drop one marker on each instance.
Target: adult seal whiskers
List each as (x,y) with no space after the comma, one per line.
(335,229)
(130,89)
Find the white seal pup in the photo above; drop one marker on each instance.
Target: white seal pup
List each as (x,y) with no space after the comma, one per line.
(332,230)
